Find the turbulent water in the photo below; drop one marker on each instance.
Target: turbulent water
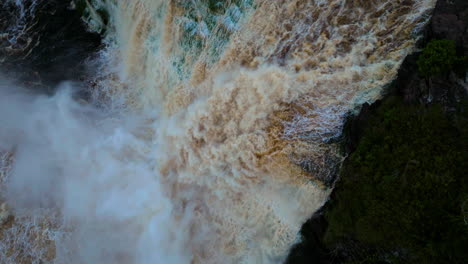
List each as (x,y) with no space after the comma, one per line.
(210,134)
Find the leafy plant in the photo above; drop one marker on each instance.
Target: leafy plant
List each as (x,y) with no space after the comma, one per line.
(440,57)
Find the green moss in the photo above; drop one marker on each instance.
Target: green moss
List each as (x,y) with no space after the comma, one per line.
(404,188)
(439,57)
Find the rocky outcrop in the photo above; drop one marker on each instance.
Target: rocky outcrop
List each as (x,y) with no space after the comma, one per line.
(44,42)
(446,90)
(449,21)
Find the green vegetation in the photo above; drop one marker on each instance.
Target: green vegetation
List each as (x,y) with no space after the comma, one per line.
(403,195)
(440,57)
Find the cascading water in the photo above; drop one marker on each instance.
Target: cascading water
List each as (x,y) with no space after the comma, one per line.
(211,141)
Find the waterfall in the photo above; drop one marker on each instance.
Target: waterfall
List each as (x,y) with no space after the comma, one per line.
(210,134)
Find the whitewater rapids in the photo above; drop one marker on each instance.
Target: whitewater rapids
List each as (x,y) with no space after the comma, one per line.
(209,135)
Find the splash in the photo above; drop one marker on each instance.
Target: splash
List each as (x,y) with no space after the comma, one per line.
(213,141)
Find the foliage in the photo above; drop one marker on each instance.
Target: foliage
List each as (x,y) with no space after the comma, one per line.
(404,189)
(440,57)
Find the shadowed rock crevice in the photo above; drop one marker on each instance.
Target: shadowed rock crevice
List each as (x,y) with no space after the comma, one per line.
(44,42)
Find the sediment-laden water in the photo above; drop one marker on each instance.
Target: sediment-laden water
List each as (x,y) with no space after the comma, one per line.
(209,137)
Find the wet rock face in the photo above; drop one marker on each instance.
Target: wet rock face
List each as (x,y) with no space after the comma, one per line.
(355,125)
(450,21)
(5,214)
(43,42)
(446,89)
(311,249)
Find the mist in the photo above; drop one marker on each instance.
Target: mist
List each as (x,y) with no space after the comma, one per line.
(85,170)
